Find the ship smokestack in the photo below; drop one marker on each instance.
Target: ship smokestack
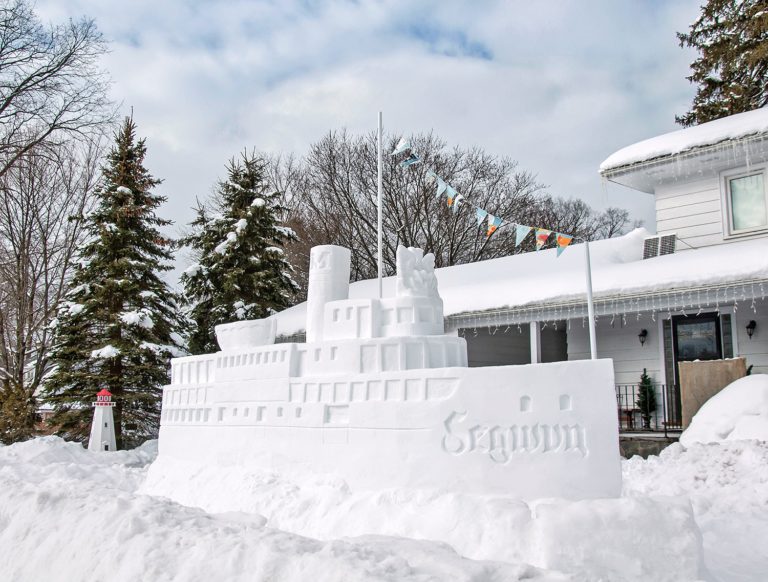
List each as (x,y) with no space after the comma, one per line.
(329,267)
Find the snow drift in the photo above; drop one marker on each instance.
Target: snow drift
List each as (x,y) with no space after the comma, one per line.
(739,411)
(727,484)
(76,515)
(69,514)
(552,534)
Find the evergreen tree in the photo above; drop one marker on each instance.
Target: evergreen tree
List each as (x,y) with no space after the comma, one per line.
(241,271)
(119,324)
(732,68)
(646,399)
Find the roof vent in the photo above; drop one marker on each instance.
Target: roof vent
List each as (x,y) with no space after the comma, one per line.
(655,246)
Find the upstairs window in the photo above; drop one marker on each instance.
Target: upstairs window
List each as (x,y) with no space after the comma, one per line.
(747,202)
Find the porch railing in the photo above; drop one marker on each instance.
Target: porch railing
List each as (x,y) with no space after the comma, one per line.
(665,417)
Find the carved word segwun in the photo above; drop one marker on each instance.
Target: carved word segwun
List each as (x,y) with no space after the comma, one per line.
(500,443)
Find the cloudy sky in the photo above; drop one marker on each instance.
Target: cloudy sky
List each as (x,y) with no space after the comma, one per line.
(557,85)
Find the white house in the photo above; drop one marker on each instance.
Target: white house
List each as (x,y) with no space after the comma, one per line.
(696,290)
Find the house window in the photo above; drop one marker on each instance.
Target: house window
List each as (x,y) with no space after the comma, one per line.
(747,202)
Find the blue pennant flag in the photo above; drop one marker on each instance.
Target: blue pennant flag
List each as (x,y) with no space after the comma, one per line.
(481,214)
(520,233)
(410,160)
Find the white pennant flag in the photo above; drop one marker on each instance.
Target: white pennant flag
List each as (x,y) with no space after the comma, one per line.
(402,146)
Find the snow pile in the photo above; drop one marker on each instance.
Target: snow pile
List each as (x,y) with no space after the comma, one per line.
(140,317)
(728,128)
(594,539)
(727,484)
(70,514)
(108,351)
(739,411)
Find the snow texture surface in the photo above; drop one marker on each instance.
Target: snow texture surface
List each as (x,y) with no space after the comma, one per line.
(727,484)
(143,537)
(738,412)
(105,353)
(98,527)
(728,128)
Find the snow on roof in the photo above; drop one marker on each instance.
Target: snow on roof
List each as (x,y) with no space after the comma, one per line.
(542,277)
(729,128)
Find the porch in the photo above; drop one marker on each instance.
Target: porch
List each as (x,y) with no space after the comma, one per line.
(663,418)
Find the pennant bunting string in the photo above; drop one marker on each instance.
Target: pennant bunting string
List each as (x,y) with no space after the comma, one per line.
(454,200)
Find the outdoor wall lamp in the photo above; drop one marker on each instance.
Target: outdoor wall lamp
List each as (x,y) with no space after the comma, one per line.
(642,336)
(751,328)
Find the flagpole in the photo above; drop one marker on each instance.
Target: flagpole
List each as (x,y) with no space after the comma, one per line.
(590,304)
(379,237)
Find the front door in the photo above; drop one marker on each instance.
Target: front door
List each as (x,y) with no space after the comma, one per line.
(694,337)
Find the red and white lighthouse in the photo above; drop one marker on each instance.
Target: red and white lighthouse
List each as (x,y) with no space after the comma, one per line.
(103,426)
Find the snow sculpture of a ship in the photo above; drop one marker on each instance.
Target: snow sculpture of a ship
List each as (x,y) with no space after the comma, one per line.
(381,397)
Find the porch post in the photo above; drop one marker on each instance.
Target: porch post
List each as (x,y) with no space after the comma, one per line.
(535,342)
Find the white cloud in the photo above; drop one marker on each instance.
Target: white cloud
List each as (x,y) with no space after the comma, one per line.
(556,85)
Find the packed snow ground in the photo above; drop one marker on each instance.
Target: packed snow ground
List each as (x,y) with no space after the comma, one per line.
(69,514)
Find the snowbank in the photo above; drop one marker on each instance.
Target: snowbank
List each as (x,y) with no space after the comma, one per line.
(728,128)
(739,411)
(70,514)
(596,539)
(727,484)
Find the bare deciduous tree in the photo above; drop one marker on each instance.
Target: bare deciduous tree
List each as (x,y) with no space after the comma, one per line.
(42,203)
(51,84)
(333,200)
(576,217)
(332,194)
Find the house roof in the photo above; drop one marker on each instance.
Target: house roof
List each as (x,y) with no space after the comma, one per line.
(541,277)
(696,152)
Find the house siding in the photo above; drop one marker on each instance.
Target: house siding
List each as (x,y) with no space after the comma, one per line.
(629,358)
(620,343)
(755,349)
(693,211)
